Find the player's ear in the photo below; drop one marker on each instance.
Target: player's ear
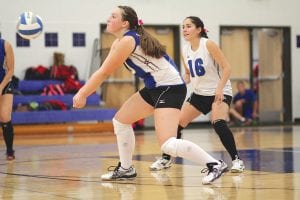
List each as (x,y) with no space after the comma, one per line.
(126,24)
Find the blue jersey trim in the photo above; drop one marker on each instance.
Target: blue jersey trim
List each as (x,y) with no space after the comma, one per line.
(2,58)
(170,60)
(146,76)
(135,36)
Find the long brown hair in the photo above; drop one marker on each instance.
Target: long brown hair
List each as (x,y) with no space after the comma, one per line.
(150,45)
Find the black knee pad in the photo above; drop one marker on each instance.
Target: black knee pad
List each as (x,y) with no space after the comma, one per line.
(7,127)
(219,125)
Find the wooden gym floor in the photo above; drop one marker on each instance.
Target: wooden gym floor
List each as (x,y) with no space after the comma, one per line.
(68,166)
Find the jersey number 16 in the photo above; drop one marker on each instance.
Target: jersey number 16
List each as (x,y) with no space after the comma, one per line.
(196,69)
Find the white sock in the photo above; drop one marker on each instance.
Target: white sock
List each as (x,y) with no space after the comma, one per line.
(126,142)
(188,150)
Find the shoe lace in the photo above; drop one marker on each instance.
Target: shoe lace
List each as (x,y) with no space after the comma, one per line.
(210,168)
(116,171)
(237,161)
(114,168)
(159,160)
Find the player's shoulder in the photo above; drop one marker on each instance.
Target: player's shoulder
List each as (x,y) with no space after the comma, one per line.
(132,34)
(209,42)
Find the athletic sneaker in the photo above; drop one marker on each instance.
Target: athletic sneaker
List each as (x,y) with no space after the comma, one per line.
(119,173)
(161,163)
(237,166)
(215,170)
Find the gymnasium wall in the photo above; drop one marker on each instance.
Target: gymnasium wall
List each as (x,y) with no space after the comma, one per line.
(67,16)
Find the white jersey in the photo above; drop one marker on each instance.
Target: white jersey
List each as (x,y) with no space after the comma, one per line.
(204,71)
(154,71)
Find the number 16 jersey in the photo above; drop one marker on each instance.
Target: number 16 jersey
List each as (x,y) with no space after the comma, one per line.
(205,73)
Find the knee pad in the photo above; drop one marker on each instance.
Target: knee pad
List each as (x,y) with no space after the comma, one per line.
(219,125)
(120,128)
(7,129)
(171,146)
(7,125)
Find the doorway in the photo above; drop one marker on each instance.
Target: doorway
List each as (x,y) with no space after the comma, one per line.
(260,56)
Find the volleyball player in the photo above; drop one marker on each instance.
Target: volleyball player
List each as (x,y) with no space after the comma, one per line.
(208,70)
(162,96)
(6,95)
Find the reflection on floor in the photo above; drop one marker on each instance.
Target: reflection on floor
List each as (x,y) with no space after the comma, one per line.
(68,166)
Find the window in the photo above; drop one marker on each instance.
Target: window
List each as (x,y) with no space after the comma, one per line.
(51,39)
(21,42)
(78,39)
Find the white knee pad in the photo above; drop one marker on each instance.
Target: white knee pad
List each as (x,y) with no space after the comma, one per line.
(120,128)
(171,146)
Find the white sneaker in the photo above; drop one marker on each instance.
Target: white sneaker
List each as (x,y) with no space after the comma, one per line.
(119,173)
(161,163)
(215,170)
(237,166)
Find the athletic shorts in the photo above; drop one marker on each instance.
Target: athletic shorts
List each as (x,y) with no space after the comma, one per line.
(165,96)
(204,103)
(8,89)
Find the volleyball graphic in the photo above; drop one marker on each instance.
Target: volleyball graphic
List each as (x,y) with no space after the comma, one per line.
(29,25)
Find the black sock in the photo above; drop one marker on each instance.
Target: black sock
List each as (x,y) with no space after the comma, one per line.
(226,137)
(8,135)
(179,134)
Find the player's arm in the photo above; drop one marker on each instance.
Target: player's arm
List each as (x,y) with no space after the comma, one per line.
(119,52)
(186,76)
(10,64)
(219,57)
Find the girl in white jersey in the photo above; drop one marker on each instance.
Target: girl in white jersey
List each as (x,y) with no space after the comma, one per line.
(208,70)
(163,95)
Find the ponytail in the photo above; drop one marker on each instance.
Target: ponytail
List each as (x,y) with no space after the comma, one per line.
(150,45)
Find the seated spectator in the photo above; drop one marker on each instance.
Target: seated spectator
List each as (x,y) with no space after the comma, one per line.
(244,104)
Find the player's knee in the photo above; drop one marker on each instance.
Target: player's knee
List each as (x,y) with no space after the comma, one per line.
(120,128)
(171,146)
(5,117)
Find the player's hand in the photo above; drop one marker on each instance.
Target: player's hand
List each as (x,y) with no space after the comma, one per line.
(79,101)
(186,78)
(219,97)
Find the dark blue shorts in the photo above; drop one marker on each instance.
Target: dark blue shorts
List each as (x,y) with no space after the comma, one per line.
(165,96)
(9,88)
(204,103)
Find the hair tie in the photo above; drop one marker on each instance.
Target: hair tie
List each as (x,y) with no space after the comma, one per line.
(140,22)
(205,30)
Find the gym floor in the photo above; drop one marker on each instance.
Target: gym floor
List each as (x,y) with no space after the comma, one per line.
(68,166)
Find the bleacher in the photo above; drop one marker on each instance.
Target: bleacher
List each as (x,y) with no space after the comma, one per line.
(27,89)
